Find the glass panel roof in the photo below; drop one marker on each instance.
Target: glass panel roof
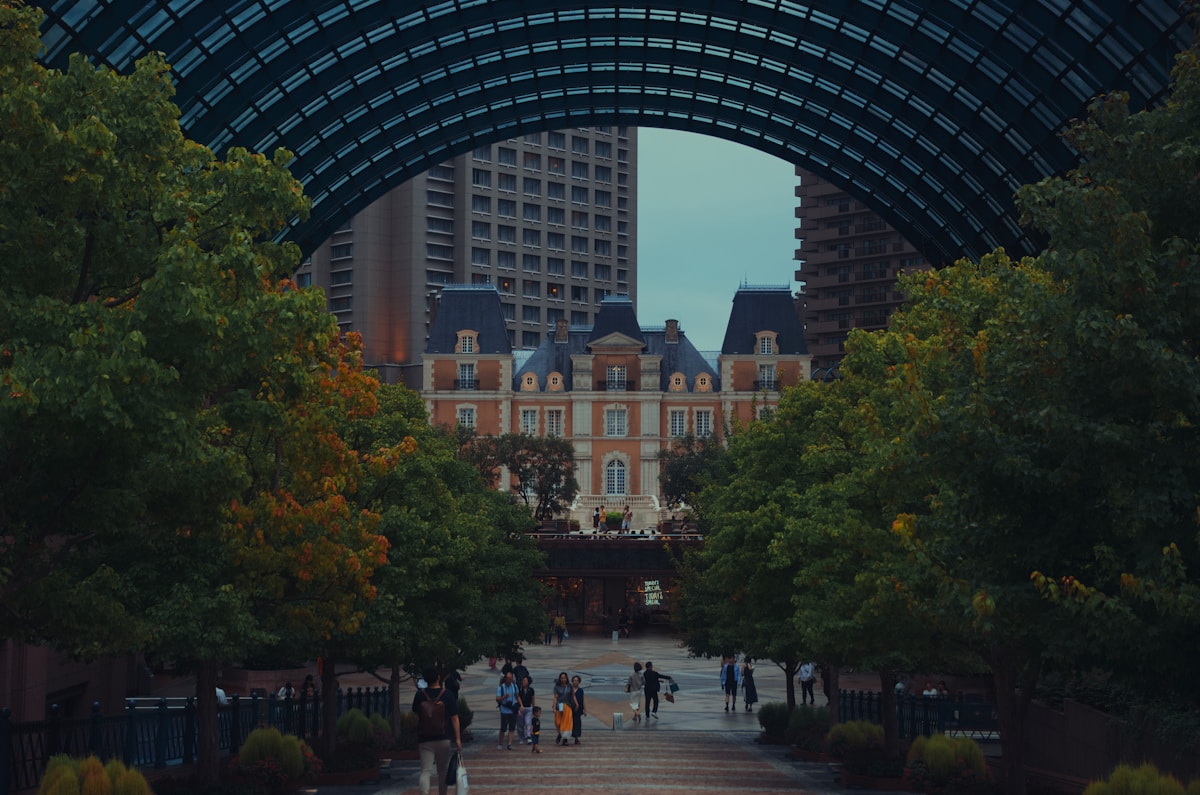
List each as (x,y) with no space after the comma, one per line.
(930,111)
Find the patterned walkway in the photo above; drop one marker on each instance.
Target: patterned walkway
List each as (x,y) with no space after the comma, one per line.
(632,763)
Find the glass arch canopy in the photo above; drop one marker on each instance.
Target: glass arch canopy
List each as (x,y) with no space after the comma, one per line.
(932,112)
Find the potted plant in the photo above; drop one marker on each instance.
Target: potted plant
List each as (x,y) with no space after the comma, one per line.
(773,718)
(947,764)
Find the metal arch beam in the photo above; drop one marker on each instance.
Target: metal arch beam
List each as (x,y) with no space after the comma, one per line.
(931,111)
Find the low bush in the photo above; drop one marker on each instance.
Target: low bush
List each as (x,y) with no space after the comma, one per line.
(853,737)
(65,775)
(807,722)
(773,717)
(354,728)
(465,715)
(271,760)
(952,764)
(1141,780)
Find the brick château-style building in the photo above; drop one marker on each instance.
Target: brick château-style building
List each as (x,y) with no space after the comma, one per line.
(619,391)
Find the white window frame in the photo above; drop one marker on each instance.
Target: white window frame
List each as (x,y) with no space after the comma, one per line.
(555,422)
(616,422)
(529,422)
(677,423)
(615,377)
(615,478)
(466,416)
(703,423)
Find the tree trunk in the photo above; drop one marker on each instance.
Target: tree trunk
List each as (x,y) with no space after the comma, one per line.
(887,706)
(829,680)
(1013,694)
(208,753)
(394,701)
(789,672)
(329,714)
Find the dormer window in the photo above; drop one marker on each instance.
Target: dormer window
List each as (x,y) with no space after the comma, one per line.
(678,383)
(468,342)
(766,343)
(703,383)
(554,382)
(529,382)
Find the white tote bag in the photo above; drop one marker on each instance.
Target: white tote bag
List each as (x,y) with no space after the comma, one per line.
(460,783)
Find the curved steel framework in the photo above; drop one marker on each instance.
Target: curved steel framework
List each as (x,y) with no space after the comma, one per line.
(931,111)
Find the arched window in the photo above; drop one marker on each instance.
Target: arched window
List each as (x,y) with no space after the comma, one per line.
(614,478)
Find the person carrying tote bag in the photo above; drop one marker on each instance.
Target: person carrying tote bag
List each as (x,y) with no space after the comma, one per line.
(456,775)
(634,688)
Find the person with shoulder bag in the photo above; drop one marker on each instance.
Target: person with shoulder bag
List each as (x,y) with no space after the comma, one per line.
(437,727)
(634,688)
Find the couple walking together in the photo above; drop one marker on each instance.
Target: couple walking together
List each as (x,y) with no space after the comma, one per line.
(645,681)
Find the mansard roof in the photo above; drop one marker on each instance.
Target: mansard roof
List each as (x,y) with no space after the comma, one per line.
(469,306)
(616,316)
(677,357)
(763,308)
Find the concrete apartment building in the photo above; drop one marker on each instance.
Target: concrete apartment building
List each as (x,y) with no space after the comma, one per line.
(849,259)
(549,219)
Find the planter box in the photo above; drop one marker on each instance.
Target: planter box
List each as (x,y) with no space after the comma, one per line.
(876,783)
(811,756)
(348,778)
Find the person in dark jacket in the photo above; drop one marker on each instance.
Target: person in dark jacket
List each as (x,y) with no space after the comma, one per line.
(435,749)
(577,719)
(653,678)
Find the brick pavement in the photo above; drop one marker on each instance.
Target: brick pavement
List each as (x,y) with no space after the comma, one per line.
(633,762)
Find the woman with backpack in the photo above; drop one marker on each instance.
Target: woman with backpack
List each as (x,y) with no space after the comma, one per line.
(437,727)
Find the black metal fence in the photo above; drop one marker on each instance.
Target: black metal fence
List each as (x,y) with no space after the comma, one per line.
(161,735)
(918,716)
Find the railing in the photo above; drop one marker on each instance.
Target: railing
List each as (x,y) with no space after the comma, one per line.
(466,383)
(161,735)
(919,716)
(766,386)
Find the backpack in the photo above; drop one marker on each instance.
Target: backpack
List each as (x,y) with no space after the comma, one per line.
(431,716)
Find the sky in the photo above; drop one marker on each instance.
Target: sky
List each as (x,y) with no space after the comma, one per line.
(712,215)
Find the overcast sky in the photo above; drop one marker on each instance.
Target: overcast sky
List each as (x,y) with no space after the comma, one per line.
(711,215)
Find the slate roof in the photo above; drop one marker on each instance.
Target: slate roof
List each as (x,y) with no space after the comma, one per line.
(763,308)
(617,315)
(468,306)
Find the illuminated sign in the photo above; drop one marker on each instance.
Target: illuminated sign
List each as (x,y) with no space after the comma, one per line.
(653,593)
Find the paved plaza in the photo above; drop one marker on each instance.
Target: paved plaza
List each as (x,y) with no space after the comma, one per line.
(693,747)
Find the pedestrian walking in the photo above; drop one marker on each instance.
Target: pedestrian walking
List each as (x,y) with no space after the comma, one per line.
(731,680)
(626,520)
(580,710)
(808,676)
(633,687)
(437,728)
(653,679)
(560,627)
(535,729)
(750,696)
(525,696)
(564,708)
(506,700)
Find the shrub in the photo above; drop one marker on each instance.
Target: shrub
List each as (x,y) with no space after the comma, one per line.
(1142,780)
(272,759)
(354,728)
(773,717)
(807,721)
(853,736)
(954,764)
(408,729)
(67,776)
(465,715)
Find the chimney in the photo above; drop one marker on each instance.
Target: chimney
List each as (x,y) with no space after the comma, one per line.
(560,330)
(672,331)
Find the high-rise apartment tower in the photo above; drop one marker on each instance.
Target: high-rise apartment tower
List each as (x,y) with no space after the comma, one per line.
(550,219)
(849,259)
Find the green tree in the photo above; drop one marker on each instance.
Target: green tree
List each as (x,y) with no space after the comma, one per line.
(170,478)
(541,468)
(686,467)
